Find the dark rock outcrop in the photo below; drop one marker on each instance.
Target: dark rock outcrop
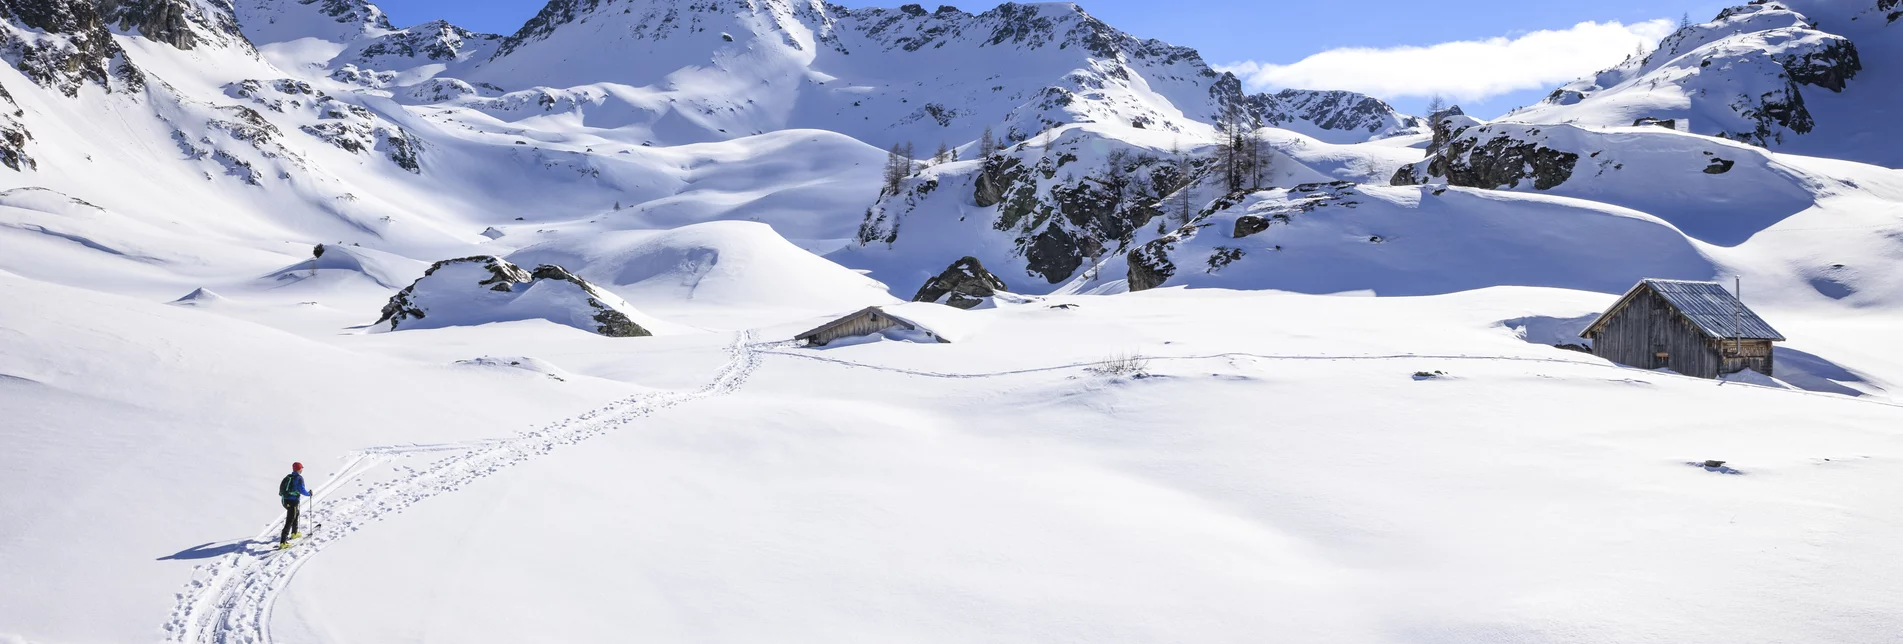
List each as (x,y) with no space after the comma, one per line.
(1247,225)
(499,276)
(1493,157)
(964,285)
(1829,67)
(1062,212)
(1054,254)
(1150,264)
(66,44)
(174,22)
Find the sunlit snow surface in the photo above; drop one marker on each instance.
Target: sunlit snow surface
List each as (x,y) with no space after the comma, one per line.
(1355,428)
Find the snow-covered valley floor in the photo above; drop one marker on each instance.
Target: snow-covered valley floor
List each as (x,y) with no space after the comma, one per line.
(1239,366)
(1280,467)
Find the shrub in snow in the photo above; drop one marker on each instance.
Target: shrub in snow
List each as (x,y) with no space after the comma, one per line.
(1126,364)
(483,289)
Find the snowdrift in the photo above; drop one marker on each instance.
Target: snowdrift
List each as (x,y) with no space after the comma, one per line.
(734,265)
(1714,190)
(1339,237)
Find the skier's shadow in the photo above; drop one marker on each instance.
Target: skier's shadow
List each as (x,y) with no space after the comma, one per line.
(208,550)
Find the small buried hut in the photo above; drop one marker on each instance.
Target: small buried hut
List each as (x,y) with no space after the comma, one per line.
(865,322)
(1694,328)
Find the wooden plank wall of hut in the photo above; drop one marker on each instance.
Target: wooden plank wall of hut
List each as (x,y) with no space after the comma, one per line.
(1756,355)
(1650,326)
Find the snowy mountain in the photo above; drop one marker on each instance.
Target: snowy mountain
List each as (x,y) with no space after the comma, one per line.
(1805,77)
(1333,116)
(714,69)
(1208,335)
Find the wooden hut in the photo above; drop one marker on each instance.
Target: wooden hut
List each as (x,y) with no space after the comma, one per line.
(865,322)
(1694,328)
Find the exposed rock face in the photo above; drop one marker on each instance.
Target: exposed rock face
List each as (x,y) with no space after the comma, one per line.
(1893,8)
(1363,116)
(1496,156)
(1062,212)
(439,41)
(1150,264)
(14,136)
(179,23)
(430,42)
(63,44)
(352,11)
(965,284)
(1185,250)
(352,128)
(1829,66)
(481,289)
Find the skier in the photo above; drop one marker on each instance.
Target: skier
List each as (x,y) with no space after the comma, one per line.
(289,491)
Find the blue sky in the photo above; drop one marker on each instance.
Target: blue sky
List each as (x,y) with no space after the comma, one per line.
(1487,55)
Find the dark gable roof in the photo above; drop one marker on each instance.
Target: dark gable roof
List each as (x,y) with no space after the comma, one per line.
(1707,304)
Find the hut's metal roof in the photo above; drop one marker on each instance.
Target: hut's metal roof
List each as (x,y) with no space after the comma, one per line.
(1707,304)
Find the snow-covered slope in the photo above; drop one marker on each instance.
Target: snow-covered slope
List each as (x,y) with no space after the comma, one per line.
(722,274)
(1340,237)
(1807,77)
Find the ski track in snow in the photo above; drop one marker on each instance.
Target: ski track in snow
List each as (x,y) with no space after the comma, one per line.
(230,599)
(768,349)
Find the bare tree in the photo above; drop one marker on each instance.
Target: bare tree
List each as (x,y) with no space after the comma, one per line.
(942,155)
(1258,159)
(1685,21)
(1233,151)
(898,166)
(1183,182)
(1436,104)
(987,144)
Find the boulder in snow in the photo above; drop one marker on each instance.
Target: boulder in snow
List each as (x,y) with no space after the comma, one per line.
(484,289)
(965,284)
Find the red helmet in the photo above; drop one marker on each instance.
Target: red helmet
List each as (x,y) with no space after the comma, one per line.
(297,467)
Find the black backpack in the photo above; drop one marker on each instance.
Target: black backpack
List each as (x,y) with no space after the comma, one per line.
(287,488)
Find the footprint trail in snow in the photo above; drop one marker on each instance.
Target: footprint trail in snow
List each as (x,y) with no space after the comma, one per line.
(230,599)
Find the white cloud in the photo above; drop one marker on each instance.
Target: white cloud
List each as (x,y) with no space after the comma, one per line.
(1467,70)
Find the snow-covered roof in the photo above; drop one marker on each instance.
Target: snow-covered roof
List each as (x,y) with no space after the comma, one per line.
(947,322)
(1710,307)
(944,322)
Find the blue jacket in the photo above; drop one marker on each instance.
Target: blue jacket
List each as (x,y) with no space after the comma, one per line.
(292,487)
